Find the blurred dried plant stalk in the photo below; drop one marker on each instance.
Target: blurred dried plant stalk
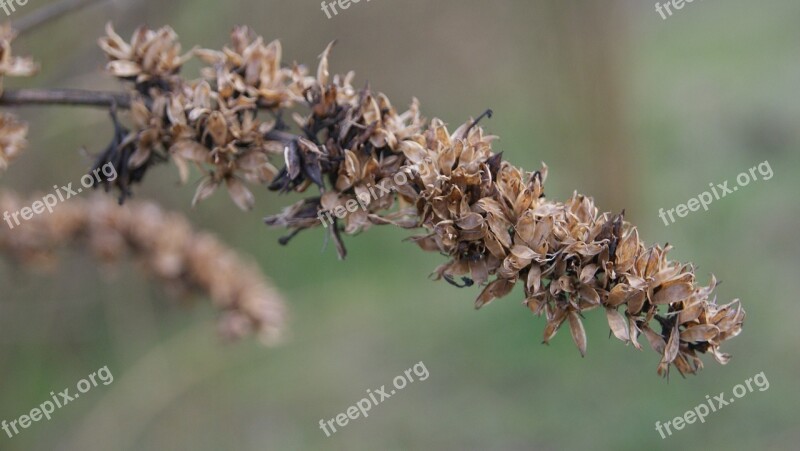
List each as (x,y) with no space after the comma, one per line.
(490,218)
(165,247)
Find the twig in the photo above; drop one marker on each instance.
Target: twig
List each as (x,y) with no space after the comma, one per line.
(84,97)
(50,12)
(75,97)
(488,113)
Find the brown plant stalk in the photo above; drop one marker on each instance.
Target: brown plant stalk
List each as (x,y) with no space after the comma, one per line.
(69,97)
(490,218)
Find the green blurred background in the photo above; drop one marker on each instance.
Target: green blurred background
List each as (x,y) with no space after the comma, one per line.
(639,112)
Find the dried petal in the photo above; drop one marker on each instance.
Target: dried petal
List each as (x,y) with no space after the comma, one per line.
(702,332)
(672,293)
(578,332)
(617,324)
(240,195)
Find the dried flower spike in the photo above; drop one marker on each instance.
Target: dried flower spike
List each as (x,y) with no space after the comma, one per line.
(489,218)
(498,229)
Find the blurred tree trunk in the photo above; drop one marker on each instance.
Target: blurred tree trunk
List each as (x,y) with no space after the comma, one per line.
(587,60)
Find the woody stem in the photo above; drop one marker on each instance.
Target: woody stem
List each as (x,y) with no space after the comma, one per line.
(73,97)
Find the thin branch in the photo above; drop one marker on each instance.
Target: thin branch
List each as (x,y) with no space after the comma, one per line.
(84,97)
(74,97)
(50,12)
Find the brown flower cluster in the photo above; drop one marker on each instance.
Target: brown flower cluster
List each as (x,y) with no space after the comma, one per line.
(151,58)
(211,122)
(498,229)
(490,218)
(166,248)
(351,140)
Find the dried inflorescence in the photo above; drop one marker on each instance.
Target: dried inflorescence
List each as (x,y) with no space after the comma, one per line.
(165,246)
(351,140)
(494,222)
(211,122)
(152,58)
(491,219)
(250,72)
(499,230)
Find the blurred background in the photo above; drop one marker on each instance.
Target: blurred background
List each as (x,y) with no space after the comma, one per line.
(641,113)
